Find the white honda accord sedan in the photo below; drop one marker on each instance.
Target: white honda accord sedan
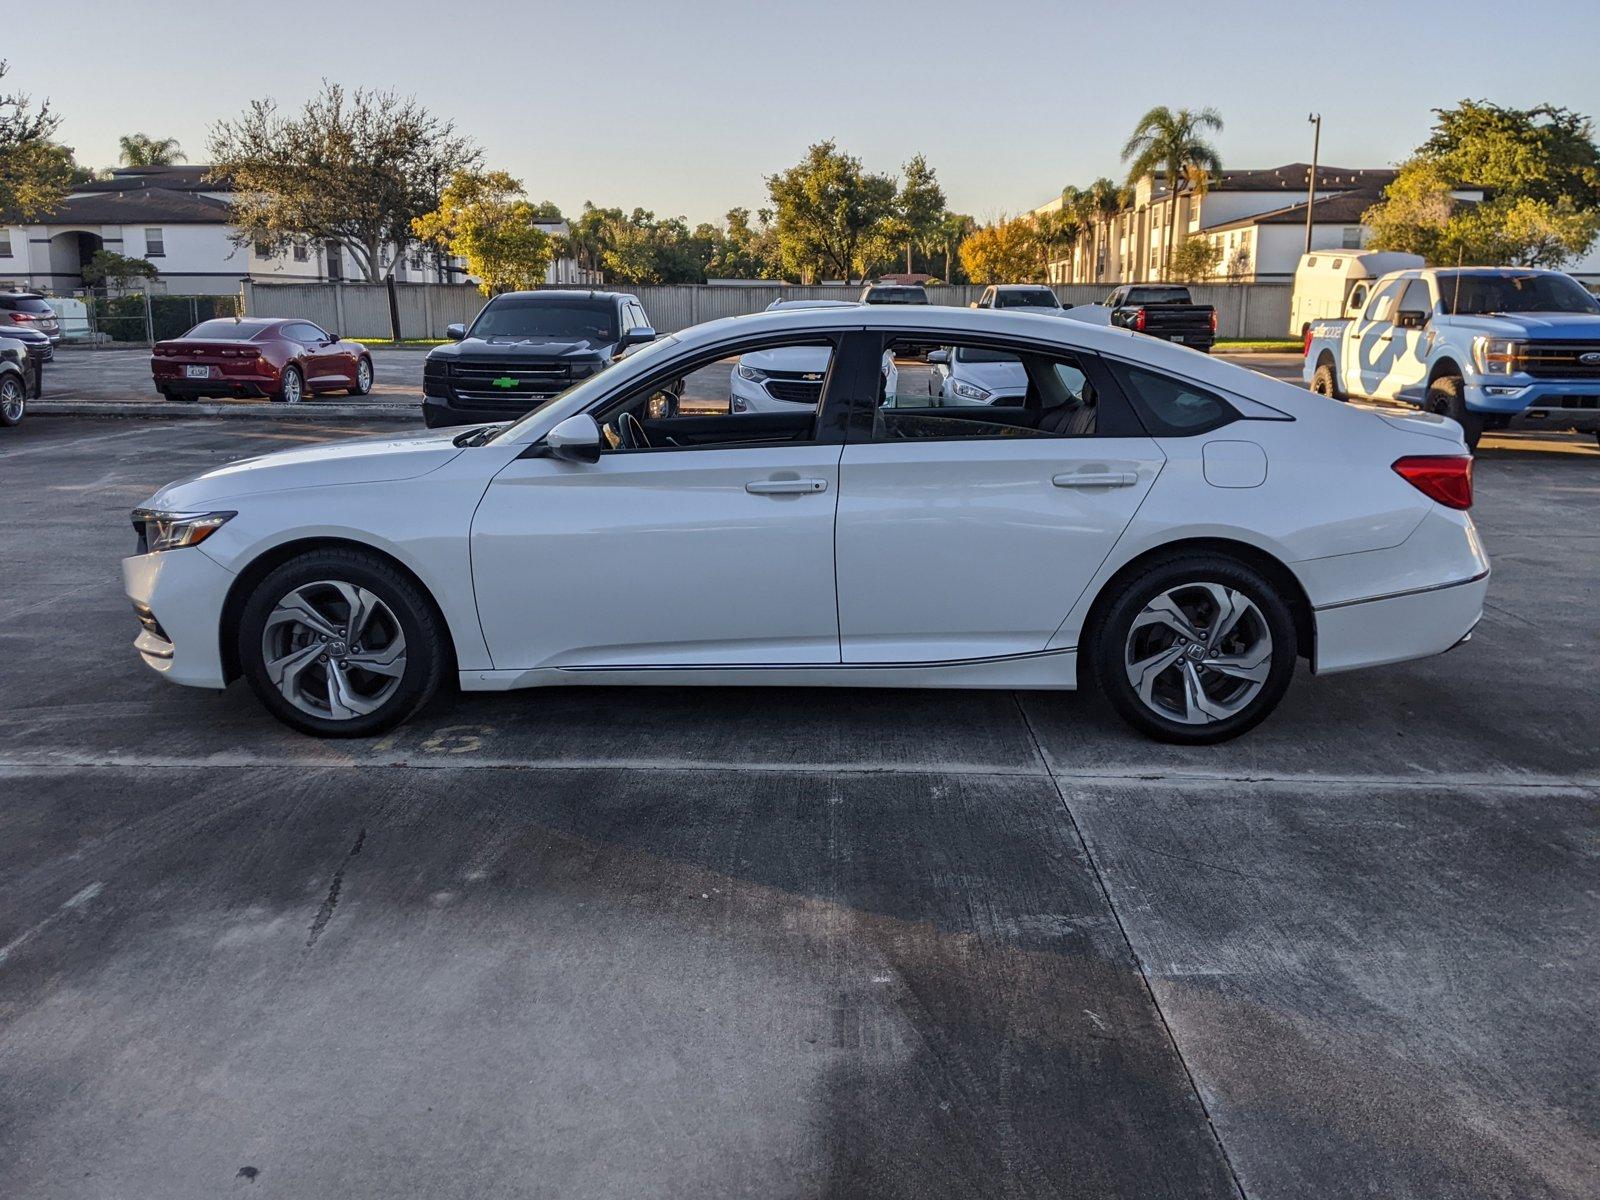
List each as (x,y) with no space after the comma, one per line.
(1168,528)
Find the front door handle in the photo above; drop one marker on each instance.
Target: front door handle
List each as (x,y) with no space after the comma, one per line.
(1088,479)
(785,487)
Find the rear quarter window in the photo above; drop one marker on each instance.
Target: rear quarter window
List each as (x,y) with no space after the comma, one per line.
(1172,407)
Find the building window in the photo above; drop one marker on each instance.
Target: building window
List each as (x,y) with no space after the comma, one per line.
(1352,238)
(416,260)
(300,254)
(263,250)
(5,243)
(155,245)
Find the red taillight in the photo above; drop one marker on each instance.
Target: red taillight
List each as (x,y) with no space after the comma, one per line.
(1445,479)
(1138,319)
(1305,342)
(1213,320)
(22,318)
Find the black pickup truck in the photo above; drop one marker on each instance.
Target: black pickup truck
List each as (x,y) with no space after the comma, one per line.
(1165,311)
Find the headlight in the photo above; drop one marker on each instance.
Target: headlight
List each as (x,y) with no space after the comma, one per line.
(174,530)
(1496,356)
(750,373)
(969,391)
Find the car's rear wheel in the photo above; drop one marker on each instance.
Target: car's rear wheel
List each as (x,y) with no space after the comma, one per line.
(1448,397)
(338,643)
(291,386)
(363,378)
(1325,383)
(13,399)
(1194,650)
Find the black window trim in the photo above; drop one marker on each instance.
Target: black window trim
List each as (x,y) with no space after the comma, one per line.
(1114,416)
(1150,424)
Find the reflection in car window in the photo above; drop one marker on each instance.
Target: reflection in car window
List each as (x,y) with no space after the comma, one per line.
(1378,307)
(974,391)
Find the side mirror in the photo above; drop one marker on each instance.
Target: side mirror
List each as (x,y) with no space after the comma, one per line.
(455,331)
(577,439)
(1411,319)
(938,358)
(662,405)
(332,339)
(637,336)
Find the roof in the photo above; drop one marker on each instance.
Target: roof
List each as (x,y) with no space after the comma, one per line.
(573,294)
(1346,208)
(1293,177)
(145,204)
(184,178)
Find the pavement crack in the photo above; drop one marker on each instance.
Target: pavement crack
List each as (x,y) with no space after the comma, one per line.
(331,902)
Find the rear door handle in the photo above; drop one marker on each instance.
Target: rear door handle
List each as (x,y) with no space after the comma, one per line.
(1087,479)
(785,487)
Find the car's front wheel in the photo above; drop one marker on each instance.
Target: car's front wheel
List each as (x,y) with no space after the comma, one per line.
(1447,397)
(1194,650)
(338,643)
(13,399)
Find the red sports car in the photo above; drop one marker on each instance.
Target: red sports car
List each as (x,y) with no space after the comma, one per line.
(284,360)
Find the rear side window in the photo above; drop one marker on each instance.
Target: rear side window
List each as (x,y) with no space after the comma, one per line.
(1172,407)
(27,304)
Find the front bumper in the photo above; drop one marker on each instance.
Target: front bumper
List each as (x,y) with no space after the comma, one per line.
(1519,402)
(178,597)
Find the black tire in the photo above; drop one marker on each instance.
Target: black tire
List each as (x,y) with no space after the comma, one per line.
(291,386)
(1112,640)
(13,398)
(1447,397)
(425,640)
(1325,383)
(360,389)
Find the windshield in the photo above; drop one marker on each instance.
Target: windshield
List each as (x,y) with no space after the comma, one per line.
(548,318)
(581,395)
(894,295)
(224,330)
(1468,294)
(1041,298)
(1158,295)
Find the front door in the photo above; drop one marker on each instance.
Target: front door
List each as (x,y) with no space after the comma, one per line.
(711,545)
(1371,344)
(968,532)
(1408,369)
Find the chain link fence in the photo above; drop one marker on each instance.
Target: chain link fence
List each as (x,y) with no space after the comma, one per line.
(97,319)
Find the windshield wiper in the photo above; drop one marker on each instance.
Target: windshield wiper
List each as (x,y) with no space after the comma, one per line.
(475,437)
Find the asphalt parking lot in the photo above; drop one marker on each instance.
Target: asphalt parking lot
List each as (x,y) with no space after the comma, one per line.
(600,943)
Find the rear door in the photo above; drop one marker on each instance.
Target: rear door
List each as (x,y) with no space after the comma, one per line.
(1369,348)
(969,532)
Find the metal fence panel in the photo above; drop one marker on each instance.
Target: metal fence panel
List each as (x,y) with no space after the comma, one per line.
(1259,310)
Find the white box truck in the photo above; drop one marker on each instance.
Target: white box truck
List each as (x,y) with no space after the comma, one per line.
(1335,283)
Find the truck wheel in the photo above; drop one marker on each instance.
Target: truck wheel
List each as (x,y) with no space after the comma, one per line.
(1447,397)
(1323,383)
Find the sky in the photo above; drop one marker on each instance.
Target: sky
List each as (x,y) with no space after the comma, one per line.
(683,108)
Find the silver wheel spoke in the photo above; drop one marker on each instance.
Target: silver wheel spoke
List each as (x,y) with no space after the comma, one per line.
(1164,610)
(1173,653)
(343,701)
(327,622)
(1144,673)
(296,608)
(1254,667)
(285,672)
(1230,607)
(391,660)
(1200,708)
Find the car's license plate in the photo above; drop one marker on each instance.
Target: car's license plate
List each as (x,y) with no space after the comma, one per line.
(194,372)
(1178,337)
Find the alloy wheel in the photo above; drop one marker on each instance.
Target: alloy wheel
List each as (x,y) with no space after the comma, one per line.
(292,387)
(334,650)
(1198,653)
(12,401)
(364,377)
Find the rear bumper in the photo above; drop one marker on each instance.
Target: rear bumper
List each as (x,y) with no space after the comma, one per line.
(178,597)
(1391,629)
(195,389)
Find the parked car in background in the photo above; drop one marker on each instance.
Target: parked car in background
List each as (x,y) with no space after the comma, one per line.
(524,348)
(283,360)
(894,293)
(1018,295)
(20,377)
(975,375)
(1175,531)
(40,347)
(1166,311)
(1488,347)
(1336,283)
(780,380)
(29,310)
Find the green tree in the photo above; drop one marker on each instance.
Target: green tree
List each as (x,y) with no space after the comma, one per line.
(35,173)
(745,250)
(830,213)
(356,168)
(485,218)
(109,269)
(1172,143)
(1538,170)
(921,207)
(142,150)
(1055,233)
(1195,260)
(954,228)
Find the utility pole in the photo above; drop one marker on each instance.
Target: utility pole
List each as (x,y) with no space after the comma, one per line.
(1311,183)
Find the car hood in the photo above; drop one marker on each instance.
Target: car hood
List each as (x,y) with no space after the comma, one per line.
(362,460)
(510,347)
(1555,326)
(789,358)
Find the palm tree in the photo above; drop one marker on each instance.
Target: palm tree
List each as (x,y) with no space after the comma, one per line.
(1172,143)
(1069,222)
(142,150)
(1102,201)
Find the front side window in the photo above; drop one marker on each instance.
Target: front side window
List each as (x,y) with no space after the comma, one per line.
(1380,304)
(967,390)
(155,244)
(1416,298)
(1172,407)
